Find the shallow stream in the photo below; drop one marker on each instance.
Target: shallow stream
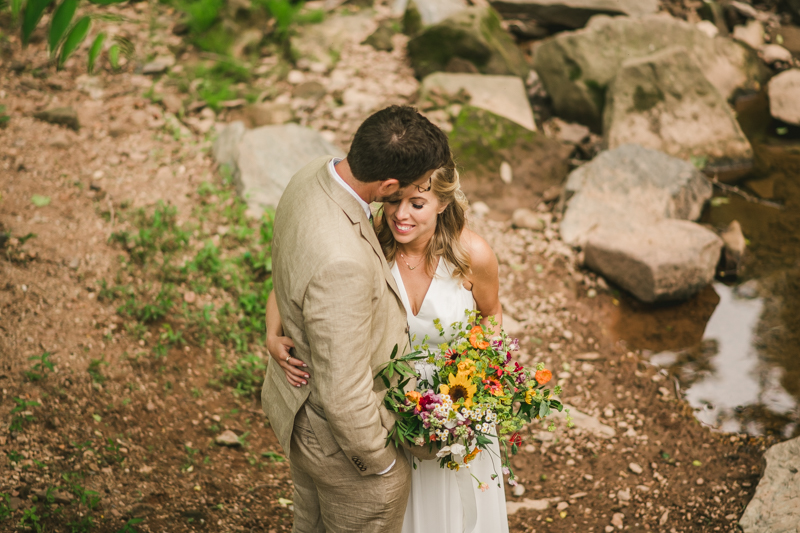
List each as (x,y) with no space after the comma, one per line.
(733,351)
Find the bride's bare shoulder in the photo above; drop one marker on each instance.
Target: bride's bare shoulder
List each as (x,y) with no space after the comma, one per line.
(481,254)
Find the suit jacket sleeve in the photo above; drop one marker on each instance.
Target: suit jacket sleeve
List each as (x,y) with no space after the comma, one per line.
(337,312)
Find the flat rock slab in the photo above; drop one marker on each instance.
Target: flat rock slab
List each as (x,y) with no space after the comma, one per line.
(431,12)
(775,507)
(322,42)
(263,160)
(473,38)
(784,96)
(63,116)
(533,505)
(663,101)
(670,260)
(586,422)
(577,67)
(571,13)
(631,182)
(504,96)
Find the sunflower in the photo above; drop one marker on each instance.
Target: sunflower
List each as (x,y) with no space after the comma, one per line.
(460,388)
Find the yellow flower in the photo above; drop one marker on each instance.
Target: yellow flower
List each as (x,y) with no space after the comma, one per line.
(529,394)
(467,367)
(460,388)
(414,397)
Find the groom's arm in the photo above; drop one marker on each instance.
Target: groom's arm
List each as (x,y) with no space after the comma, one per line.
(337,312)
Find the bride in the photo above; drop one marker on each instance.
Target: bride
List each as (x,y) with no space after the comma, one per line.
(442,269)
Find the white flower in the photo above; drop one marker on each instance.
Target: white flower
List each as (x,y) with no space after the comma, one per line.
(458,449)
(444,451)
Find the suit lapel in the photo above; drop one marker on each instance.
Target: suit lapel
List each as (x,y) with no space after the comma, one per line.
(357,217)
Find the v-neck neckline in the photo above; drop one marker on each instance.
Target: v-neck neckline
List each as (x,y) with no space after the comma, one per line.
(402,285)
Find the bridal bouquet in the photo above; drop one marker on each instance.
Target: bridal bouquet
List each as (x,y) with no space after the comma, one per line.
(468,394)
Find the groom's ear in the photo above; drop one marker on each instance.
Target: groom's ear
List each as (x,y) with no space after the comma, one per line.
(388,188)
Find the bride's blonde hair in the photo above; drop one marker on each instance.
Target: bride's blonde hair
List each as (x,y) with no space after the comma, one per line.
(450,223)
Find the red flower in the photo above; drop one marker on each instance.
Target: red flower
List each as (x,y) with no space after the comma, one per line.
(515,438)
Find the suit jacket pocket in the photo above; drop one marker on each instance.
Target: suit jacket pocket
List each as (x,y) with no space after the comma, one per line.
(322,430)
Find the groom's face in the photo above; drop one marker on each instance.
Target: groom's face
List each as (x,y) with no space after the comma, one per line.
(390,190)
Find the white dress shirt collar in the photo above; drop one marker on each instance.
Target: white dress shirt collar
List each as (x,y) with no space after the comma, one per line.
(335,175)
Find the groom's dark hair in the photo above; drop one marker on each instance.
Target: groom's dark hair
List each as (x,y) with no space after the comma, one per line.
(397,142)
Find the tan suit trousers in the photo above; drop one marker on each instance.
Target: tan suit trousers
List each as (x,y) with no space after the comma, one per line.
(332,496)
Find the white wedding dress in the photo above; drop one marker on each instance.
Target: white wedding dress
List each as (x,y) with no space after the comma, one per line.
(442,500)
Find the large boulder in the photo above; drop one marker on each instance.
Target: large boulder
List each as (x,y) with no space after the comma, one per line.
(784,96)
(472,39)
(422,13)
(571,13)
(502,95)
(263,160)
(577,67)
(774,507)
(629,209)
(669,260)
(322,43)
(664,102)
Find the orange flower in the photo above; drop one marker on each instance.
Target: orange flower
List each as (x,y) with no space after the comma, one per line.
(471,455)
(543,376)
(476,338)
(414,397)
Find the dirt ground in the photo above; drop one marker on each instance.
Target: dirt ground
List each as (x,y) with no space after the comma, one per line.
(113,439)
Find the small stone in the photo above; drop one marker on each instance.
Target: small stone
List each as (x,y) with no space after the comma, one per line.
(228,438)
(529,448)
(635,468)
(643,488)
(774,53)
(534,505)
(172,103)
(589,356)
(480,209)
(664,518)
(578,495)
(64,116)
(295,77)
(189,297)
(59,140)
(309,90)
(588,477)
(752,34)
(561,506)
(608,413)
(506,173)
(747,290)
(146,469)
(381,39)
(525,218)
(609,529)
(159,65)
(518,490)
(708,27)
(699,481)
(617,519)
(150,406)
(570,462)
(624,495)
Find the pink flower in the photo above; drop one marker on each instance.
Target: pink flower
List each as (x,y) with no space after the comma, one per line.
(484,487)
(512,482)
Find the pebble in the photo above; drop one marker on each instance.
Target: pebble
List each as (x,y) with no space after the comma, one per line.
(189,297)
(608,413)
(635,468)
(589,356)
(588,477)
(228,438)
(561,506)
(617,519)
(295,77)
(624,495)
(664,518)
(150,406)
(772,53)
(479,209)
(700,481)
(518,490)
(525,218)
(506,174)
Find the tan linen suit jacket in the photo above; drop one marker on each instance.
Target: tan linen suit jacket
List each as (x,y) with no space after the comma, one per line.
(339,304)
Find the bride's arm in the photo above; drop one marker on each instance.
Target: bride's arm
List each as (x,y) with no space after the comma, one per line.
(278,346)
(485,279)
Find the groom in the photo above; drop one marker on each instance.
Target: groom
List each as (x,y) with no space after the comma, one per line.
(339,304)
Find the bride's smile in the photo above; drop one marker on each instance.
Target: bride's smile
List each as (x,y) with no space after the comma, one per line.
(412,218)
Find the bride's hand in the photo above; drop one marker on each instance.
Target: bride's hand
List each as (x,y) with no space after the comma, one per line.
(294,368)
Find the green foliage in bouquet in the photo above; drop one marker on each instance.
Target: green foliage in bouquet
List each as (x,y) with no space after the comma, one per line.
(468,394)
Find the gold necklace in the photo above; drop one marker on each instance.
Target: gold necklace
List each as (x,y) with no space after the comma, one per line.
(409,266)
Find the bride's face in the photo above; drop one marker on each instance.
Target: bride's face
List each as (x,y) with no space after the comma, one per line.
(412,218)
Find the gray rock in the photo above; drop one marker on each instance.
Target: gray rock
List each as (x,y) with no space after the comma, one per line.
(774,53)
(669,260)
(267,158)
(525,218)
(752,34)
(309,90)
(64,116)
(323,42)
(533,505)
(159,65)
(473,35)
(225,147)
(504,96)
(266,114)
(228,438)
(567,132)
(629,183)
(381,39)
(577,67)
(774,507)
(635,468)
(748,290)
(571,13)
(664,102)
(784,96)
(421,13)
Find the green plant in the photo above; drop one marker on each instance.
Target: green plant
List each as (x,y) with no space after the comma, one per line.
(65,35)
(31,520)
(286,14)
(95,370)
(246,375)
(128,527)
(3,117)
(14,456)
(21,414)
(5,506)
(39,370)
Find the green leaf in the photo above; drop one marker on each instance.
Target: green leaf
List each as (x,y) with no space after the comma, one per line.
(16,8)
(74,39)
(113,55)
(106,2)
(94,51)
(31,17)
(40,201)
(62,17)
